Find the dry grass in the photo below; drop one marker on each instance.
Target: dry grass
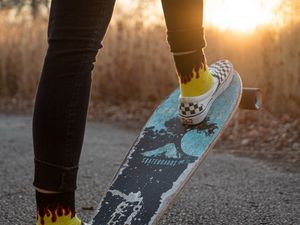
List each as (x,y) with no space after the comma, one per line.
(136,66)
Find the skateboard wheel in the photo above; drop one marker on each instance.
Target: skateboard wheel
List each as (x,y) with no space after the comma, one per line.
(251,99)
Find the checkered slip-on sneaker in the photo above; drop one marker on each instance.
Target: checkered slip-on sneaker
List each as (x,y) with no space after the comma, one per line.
(193,110)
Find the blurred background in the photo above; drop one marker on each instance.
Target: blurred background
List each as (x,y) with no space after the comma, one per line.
(260,37)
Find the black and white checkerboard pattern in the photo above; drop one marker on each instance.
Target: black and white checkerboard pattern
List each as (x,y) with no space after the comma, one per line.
(221,69)
(190,109)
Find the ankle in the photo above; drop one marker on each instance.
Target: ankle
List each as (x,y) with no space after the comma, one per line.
(56,208)
(189,65)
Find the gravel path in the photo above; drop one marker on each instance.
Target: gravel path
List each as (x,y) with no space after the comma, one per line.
(226,189)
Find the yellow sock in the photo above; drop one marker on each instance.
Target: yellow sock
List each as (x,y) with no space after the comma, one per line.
(54,219)
(199,84)
(192,70)
(56,209)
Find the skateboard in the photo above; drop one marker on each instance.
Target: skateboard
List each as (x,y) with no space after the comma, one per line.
(164,157)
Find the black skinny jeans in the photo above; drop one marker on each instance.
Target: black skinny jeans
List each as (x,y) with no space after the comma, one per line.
(75,32)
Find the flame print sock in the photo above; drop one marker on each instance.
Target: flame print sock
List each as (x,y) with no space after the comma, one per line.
(193,74)
(56,209)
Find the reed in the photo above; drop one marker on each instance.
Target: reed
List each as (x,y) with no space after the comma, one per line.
(135,64)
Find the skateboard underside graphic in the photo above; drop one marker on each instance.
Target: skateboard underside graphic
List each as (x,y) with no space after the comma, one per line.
(163,158)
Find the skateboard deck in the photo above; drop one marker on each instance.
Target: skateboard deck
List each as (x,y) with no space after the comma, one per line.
(163,158)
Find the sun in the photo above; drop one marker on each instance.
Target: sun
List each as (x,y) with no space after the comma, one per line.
(240,15)
(236,15)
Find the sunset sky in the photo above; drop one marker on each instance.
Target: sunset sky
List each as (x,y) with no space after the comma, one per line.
(236,15)
(241,15)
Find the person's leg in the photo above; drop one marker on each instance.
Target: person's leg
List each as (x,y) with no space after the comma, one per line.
(76,29)
(184,20)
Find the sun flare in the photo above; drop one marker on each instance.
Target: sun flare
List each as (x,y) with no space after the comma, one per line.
(236,15)
(240,15)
